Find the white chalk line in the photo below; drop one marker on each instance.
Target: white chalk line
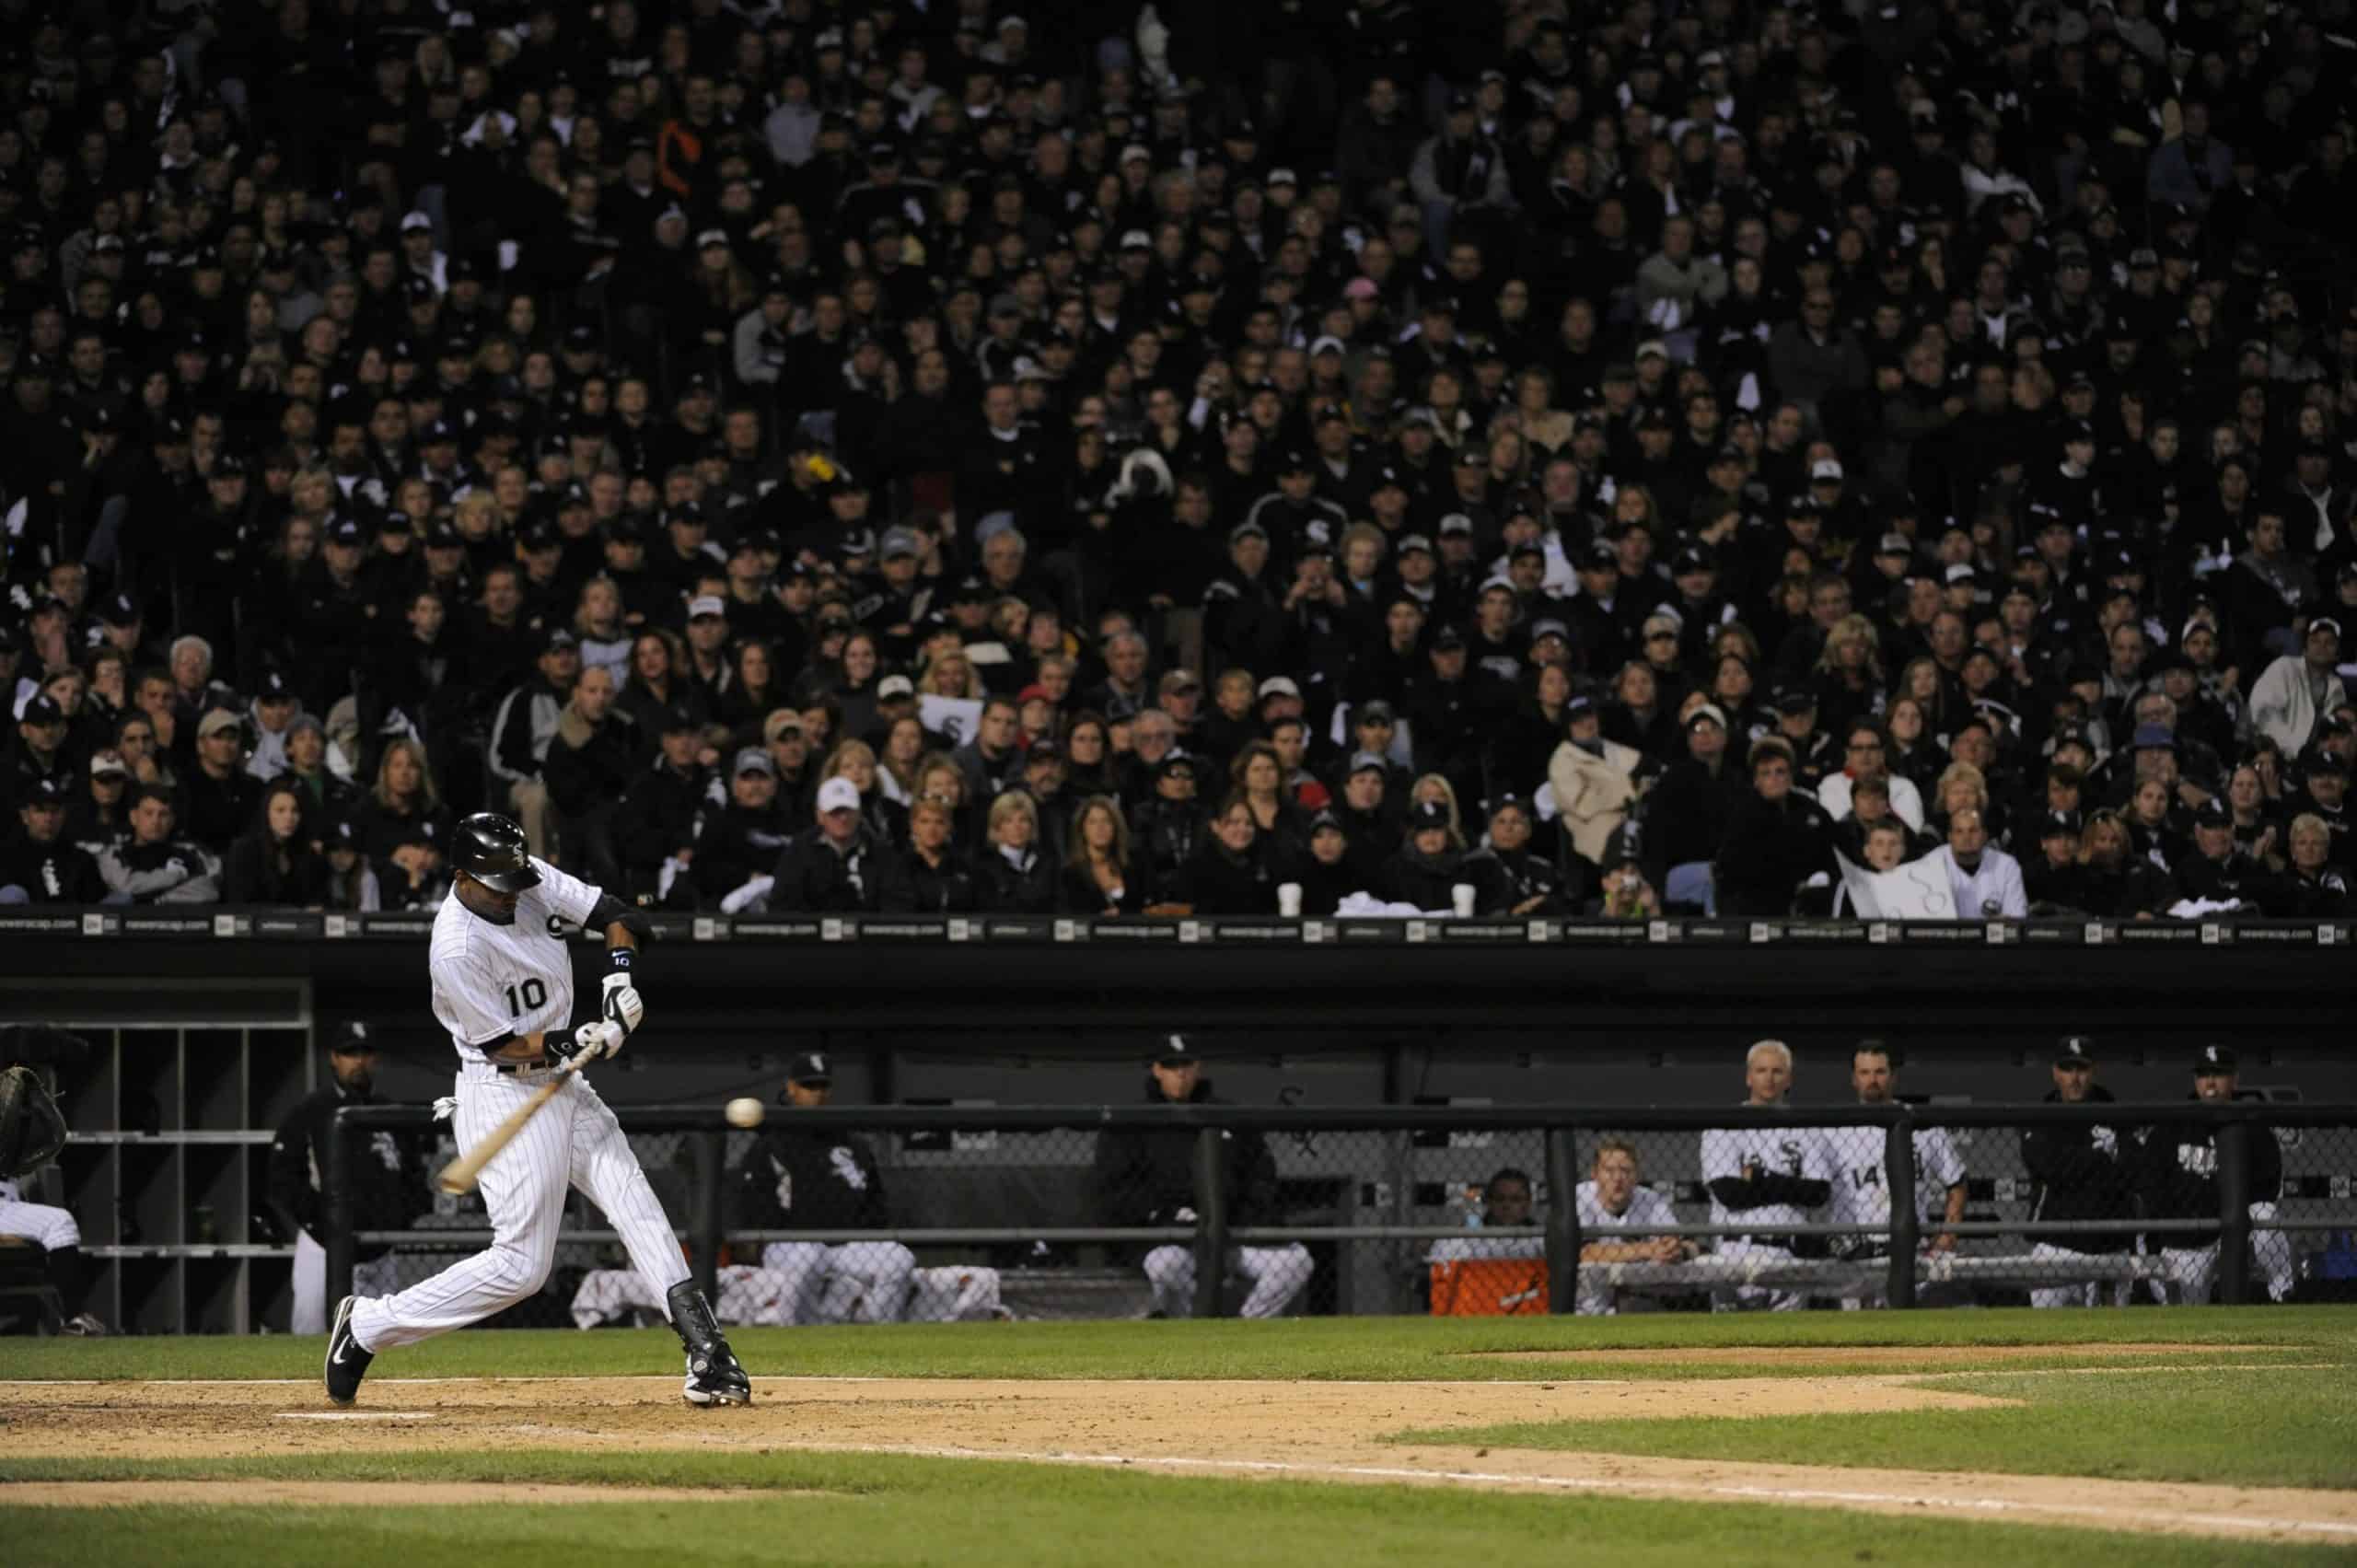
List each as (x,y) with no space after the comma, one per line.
(354,1415)
(2250,1522)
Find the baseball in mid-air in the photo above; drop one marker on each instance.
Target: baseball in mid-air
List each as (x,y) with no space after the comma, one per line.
(744,1111)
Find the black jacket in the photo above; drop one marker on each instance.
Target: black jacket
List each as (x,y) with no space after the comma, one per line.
(251,873)
(1218,882)
(2072,1177)
(58,872)
(734,845)
(814,878)
(1008,889)
(1167,834)
(800,1181)
(658,815)
(1146,1176)
(386,1170)
(917,887)
(2177,1172)
(1770,849)
(1503,881)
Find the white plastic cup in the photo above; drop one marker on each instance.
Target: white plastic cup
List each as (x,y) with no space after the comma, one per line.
(1289,900)
(1463,893)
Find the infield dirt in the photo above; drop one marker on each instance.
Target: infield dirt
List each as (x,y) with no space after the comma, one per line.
(1313,1431)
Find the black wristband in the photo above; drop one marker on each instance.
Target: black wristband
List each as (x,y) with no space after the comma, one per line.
(618,959)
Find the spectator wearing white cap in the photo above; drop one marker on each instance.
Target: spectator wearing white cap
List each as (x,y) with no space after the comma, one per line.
(840,865)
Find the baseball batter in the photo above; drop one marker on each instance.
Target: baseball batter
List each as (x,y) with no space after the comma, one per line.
(502,986)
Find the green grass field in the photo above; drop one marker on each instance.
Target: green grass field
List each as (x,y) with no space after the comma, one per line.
(2282,1414)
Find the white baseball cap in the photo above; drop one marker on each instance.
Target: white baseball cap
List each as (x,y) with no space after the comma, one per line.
(838,795)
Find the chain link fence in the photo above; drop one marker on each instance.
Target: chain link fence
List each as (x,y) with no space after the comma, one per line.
(889,1215)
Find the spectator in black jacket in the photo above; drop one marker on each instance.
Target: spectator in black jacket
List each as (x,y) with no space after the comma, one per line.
(1429,864)
(1686,815)
(1508,876)
(589,763)
(2177,1171)
(658,820)
(1777,838)
(1230,871)
(933,877)
(1147,1178)
(743,839)
(218,795)
(522,729)
(41,865)
(402,828)
(840,865)
(798,1179)
(1169,831)
(1101,874)
(1016,876)
(2079,1173)
(385,1170)
(274,862)
(1328,873)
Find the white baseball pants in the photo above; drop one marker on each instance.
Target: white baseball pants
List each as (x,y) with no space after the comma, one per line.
(377,1277)
(1277,1274)
(574,1141)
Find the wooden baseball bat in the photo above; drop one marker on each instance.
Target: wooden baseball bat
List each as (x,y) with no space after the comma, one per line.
(460,1174)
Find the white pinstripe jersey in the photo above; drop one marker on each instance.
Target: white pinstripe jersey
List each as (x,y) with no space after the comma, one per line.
(492,980)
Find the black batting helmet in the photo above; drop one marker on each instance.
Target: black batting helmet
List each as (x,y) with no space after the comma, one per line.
(491,849)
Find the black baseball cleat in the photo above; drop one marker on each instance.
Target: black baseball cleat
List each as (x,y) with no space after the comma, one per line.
(714,1379)
(347,1363)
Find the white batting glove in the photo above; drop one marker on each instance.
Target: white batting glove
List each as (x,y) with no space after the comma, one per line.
(621,1006)
(2104,1139)
(592,1042)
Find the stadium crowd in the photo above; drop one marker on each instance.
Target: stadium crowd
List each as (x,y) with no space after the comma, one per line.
(1086,456)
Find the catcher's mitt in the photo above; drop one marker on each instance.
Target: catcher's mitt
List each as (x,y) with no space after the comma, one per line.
(31,1129)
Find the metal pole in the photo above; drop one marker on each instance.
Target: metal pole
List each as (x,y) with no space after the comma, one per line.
(2233,1209)
(712,1156)
(1210,1224)
(1906,1218)
(336,1178)
(1563,1220)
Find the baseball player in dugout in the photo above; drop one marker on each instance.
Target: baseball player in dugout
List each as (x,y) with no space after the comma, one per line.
(2177,1168)
(388,1179)
(1860,1155)
(502,986)
(1768,1179)
(1146,1176)
(799,1177)
(2079,1173)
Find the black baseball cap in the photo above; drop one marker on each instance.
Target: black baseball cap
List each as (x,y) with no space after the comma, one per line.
(809,1067)
(2060,824)
(1431,814)
(353,1036)
(1173,1050)
(2212,1060)
(2074,1051)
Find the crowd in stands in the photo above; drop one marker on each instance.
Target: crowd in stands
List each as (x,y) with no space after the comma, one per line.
(1095,456)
